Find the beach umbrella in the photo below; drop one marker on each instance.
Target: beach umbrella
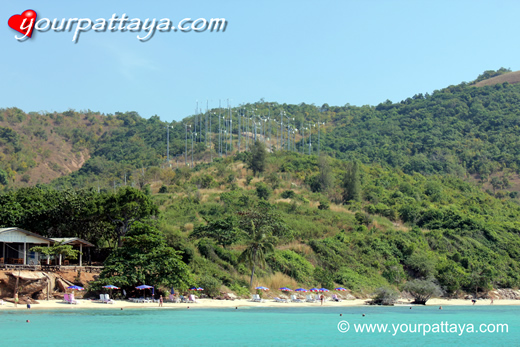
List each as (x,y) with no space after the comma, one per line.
(314,290)
(143,287)
(199,288)
(262,288)
(301,290)
(341,289)
(323,290)
(76,288)
(110,286)
(193,288)
(285,289)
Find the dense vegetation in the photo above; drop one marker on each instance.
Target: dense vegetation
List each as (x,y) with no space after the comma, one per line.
(401,227)
(388,201)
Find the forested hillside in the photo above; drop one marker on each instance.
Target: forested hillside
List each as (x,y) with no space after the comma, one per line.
(331,223)
(460,130)
(362,197)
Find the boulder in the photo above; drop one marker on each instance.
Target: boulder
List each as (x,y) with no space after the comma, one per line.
(29,283)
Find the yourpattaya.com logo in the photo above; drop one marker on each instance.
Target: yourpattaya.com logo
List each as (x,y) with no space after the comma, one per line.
(26,22)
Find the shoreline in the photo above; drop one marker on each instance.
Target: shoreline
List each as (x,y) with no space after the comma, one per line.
(210,303)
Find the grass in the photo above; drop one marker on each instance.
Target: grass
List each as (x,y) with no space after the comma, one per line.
(275,281)
(298,247)
(511,78)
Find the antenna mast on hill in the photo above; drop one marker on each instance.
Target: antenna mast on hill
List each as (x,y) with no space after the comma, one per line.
(196,116)
(239,131)
(219,129)
(186,146)
(310,138)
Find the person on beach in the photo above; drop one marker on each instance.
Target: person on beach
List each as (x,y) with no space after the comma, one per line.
(491,301)
(16,300)
(474,301)
(160,301)
(322,298)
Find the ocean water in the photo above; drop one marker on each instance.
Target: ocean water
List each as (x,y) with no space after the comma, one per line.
(261,326)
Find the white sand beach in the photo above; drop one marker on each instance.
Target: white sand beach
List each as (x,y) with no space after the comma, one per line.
(210,303)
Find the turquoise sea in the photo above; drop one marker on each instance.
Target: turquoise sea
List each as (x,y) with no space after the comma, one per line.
(260,326)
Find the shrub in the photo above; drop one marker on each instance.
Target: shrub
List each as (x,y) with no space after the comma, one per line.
(204,181)
(211,285)
(324,205)
(26,178)
(239,290)
(163,189)
(363,218)
(273,180)
(263,191)
(291,264)
(288,194)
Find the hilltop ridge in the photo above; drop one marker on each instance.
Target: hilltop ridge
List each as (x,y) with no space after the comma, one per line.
(510,77)
(459,130)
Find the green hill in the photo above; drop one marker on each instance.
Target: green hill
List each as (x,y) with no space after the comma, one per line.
(460,130)
(397,228)
(424,188)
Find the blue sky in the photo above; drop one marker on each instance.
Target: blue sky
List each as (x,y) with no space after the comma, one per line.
(335,52)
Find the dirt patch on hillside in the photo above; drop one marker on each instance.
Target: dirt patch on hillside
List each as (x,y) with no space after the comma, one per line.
(72,276)
(511,78)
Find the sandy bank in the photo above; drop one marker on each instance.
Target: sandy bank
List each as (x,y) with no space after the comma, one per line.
(209,303)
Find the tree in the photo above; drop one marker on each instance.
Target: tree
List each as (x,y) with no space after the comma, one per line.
(394,272)
(385,296)
(66,251)
(3,177)
(57,213)
(224,231)
(145,258)
(11,211)
(324,277)
(451,275)
(258,246)
(127,206)
(422,264)
(325,177)
(258,158)
(351,183)
(422,290)
(481,277)
(496,183)
(263,218)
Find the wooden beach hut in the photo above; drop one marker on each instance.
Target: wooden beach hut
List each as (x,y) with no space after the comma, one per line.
(15,245)
(75,242)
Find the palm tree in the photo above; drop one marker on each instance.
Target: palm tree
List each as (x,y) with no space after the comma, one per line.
(258,246)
